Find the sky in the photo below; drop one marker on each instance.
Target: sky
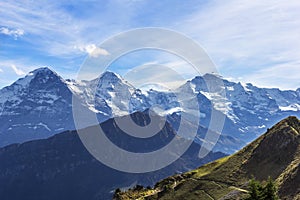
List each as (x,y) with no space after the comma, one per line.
(248,41)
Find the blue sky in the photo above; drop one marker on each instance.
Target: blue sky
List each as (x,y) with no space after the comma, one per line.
(249,41)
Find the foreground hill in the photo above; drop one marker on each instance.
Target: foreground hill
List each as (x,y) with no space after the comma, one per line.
(275,154)
(61,168)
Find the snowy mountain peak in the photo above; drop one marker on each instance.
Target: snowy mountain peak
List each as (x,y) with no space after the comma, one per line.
(207,83)
(212,76)
(46,74)
(41,75)
(110,76)
(109,80)
(38,103)
(43,70)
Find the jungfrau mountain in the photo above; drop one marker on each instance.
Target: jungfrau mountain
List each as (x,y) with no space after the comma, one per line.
(40,105)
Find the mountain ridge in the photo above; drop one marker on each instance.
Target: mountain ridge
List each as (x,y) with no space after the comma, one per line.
(275,154)
(60,167)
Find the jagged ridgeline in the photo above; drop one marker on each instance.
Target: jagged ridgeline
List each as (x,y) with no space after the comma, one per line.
(39,105)
(275,154)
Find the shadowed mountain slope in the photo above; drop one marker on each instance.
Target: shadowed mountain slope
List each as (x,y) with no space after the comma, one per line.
(61,168)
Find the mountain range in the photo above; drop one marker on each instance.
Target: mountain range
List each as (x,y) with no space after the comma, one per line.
(275,154)
(39,105)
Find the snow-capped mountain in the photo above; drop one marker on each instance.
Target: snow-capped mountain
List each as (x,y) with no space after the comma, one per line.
(40,105)
(249,110)
(35,106)
(107,94)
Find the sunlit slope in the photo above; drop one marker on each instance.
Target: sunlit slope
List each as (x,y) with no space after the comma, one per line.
(275,154)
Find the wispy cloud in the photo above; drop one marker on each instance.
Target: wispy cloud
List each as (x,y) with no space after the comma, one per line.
(11,32)
(7,74)
(284,75)
(255,40)
(248,38)
(55,28)
(19,72)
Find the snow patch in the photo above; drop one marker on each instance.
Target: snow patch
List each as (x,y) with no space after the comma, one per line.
(221,103)
(230,88)
(44,125)
(293,107)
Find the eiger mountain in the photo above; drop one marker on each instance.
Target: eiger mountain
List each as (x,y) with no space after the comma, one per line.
(40,105)
(35,106)
(60,167)
(275,154)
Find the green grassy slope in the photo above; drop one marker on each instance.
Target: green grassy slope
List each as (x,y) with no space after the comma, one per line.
(275,154)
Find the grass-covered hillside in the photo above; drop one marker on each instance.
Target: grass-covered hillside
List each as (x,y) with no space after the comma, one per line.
(275,154)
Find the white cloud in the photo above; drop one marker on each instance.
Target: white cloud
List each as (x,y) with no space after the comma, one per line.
(284,75)
(93,50)
(19,72)
(12,32)
(1,70)
(250,39)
